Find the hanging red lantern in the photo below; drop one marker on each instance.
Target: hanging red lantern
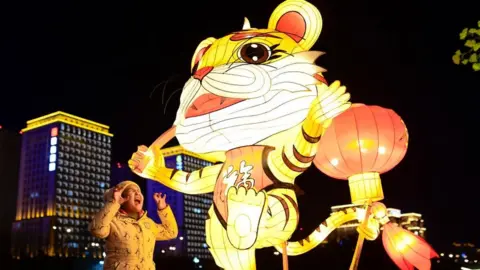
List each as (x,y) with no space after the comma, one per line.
(359,145)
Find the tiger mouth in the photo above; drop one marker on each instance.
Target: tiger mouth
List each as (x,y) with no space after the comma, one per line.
(208,103)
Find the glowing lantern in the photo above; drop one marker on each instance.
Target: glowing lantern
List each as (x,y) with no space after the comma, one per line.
(359,145)
(406,249)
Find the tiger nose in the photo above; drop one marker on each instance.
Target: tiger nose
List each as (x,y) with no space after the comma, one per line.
(201,73)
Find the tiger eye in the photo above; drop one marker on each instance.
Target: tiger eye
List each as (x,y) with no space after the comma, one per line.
(255,53)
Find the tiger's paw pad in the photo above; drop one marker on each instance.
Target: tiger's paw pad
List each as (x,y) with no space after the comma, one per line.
(245,209)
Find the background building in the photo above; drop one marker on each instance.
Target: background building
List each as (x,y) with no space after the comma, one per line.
(9,162)
(64,171)
(459,256)
(190,210)
(412,222)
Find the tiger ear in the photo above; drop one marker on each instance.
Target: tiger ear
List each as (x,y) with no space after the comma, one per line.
(299,19)
(200,51)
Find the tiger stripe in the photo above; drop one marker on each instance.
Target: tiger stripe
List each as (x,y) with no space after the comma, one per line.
(320,233)
(197,182)
(295,206)
(285,207)
(295,158)
(302,158)
(309,138)
(281,218)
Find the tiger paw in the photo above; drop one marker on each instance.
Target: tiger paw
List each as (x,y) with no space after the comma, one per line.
(245,207)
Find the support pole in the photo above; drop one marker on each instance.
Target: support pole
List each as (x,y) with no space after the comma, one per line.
(285,256)
(361,239)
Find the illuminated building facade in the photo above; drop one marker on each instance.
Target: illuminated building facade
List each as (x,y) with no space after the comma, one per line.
(410,221)
(64,171)
(190,210)
(9,162)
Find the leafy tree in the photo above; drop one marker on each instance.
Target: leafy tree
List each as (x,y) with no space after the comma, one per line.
(471,55)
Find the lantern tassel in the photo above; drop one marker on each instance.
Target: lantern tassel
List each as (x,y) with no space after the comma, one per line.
(406,249)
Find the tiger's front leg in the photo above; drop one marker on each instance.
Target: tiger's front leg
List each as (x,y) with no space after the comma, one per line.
(245,208)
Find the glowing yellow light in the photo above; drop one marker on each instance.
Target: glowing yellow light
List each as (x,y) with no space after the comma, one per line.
(365,187)
(361,214)
(68,119)
(403,243)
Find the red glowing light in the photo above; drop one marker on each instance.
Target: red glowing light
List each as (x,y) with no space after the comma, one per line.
(54,132)
(362,139)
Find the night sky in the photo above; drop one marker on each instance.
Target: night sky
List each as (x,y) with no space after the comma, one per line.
(110,62)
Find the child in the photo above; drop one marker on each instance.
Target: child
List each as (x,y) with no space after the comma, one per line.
(130,234)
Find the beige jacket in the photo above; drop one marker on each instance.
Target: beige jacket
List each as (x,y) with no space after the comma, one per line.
(129,242)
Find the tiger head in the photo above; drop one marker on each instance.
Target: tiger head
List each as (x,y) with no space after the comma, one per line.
(253,85)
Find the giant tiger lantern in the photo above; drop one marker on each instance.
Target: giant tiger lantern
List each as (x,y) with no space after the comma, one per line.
(360,144)
(257,103)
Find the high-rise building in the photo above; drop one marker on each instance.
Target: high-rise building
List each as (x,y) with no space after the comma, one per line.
(190,210)
(9,162)
(64,171)
(409,221)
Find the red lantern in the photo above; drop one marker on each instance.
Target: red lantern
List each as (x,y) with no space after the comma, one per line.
(406,249)
(359,145)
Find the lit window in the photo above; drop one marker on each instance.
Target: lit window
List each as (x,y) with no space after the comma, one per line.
(53,141)
(54,132)
(53,149)
(53,158)
(51,167)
